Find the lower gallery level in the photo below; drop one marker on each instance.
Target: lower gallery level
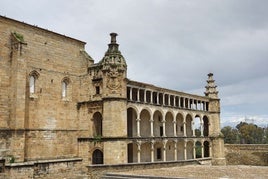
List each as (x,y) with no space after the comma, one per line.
(157,134)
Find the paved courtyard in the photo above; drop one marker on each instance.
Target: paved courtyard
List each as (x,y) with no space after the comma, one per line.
(207,172)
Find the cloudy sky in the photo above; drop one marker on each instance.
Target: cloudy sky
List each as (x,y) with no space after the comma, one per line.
(172,43)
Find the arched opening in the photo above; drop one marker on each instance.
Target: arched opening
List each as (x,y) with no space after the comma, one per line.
(169,125)
(197,126)
(180,150)
(65,87)
(145,123)
(130,153)
(131,122)
(158,126)
(206,125)
(33,76)
(146,152)
(32,84)
(170,151)
(189,150)
(180,127)
(158,154)
(97,124)
(198,149)
(189,131)
(97,157)
(206,149)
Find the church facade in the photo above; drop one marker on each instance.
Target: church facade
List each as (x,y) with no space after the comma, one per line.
(56,102)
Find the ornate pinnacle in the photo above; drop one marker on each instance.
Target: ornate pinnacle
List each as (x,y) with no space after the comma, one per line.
(211,90)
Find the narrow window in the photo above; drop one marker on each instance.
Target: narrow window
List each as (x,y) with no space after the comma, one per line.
(97,157)
(97,90)
(158,154)
(64,89)
(161,130)
(32,84)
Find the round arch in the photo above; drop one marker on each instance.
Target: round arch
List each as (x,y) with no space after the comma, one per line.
(97,157)
(131,122)
(189,120)
(206,149)
(97,124)
(169,124)
(158,125)
(145,117)
(206,126)
(179,124)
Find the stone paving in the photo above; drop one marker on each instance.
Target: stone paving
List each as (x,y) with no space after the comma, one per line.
(208,172)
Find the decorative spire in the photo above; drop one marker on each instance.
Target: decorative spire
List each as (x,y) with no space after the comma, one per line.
(113,57)
(211,90)
(113,46)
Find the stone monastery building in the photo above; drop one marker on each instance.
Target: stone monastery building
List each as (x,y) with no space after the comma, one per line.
(57,103)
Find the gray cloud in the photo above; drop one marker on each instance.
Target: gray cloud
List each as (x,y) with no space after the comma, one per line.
(175,42)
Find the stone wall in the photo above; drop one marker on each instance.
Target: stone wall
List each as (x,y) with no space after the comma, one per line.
(246,154)
(61,168)
(43,124)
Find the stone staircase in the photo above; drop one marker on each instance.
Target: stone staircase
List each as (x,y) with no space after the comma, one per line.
(124,176)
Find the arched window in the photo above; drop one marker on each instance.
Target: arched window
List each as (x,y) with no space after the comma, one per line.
(97,124)
(33,76)
(32,84)
(97,157)
(64,89)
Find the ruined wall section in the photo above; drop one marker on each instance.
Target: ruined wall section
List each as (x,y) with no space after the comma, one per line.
(47,121)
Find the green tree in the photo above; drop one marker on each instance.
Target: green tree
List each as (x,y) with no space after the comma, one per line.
(231,135)
(251,134)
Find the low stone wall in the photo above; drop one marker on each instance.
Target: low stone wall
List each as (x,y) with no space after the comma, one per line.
(246,154)
(59,168)
(97,171)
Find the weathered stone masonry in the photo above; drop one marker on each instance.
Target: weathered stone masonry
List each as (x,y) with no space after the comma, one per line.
(56,103)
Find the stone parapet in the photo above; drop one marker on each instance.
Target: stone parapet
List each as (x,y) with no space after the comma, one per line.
(246,154)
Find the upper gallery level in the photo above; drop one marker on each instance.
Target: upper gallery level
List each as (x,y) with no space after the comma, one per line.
(138,92)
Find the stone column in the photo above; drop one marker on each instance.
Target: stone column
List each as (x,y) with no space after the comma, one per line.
(130,93)
(175,127)
(185,150)
(139,152)
(184,128)
(152,151)
(144,96)
(193,129)
(175,151)
(164,150)
(138,127)
(152,126)
(202,127)
(164,128)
